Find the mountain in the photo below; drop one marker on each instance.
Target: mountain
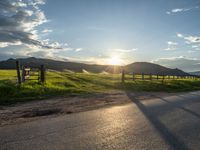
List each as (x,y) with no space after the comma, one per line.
(137,67)
(147,68)
(197,73)
(55,65)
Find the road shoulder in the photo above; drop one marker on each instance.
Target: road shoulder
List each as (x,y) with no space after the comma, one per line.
(26,112)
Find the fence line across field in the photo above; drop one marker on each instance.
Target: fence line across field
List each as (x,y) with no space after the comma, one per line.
(137,76)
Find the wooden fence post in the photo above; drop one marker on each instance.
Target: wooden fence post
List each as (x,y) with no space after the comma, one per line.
(42,74)
(18,72)
(142,76)
(23,74)
(133,76)
(150,76)
(123,76)
(163,78)
(157,77)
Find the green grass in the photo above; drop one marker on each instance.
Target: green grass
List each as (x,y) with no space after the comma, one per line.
(68,84)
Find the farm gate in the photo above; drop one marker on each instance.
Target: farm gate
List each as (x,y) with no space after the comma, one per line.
(25,73)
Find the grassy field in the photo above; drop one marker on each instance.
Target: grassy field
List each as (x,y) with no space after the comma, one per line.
(68,84)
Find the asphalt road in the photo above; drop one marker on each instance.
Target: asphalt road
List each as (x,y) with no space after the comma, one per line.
(171,122)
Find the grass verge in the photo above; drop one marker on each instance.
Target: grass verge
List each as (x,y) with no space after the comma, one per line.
(68,84)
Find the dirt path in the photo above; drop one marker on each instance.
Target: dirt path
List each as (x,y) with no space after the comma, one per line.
(30,111)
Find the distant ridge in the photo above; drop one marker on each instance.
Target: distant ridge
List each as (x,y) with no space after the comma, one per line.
(197,73)
(147,68)
(137,67)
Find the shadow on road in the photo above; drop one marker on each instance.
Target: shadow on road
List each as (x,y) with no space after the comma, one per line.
(167,135)
(177,104)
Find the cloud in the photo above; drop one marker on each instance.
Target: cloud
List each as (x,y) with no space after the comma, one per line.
(19,20)
(191,51)
(78,49)
(178,10)
(6,44)
(125,50)
(46,31)
(196,47)
(179,35)
(171,46)
(181,62)
(194,41)
(189,39)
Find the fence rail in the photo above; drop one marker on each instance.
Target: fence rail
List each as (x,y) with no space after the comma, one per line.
(150,76)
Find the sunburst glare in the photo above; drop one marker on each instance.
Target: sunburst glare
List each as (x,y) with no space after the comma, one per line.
(115,60)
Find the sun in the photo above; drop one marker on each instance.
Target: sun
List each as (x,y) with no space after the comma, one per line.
(114,60)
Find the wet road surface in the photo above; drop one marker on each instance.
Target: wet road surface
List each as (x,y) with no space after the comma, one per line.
(171,122)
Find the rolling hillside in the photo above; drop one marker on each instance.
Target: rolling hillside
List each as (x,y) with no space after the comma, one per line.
(137,67)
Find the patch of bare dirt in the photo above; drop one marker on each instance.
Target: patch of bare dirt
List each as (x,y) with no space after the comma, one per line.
(29,111)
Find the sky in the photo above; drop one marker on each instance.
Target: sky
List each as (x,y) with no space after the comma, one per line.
(166,32)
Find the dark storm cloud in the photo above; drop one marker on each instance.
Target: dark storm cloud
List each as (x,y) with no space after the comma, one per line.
(18,22)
